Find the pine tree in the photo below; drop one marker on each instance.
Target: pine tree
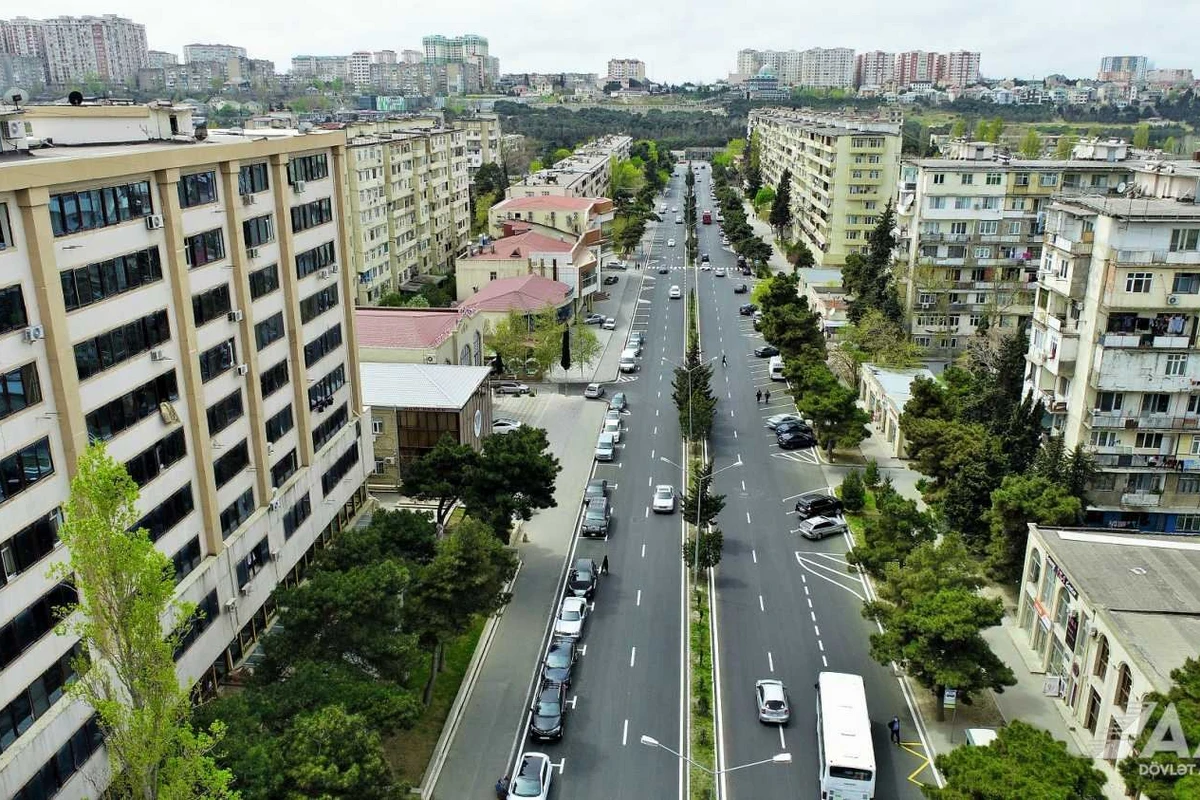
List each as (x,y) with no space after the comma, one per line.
(781,206)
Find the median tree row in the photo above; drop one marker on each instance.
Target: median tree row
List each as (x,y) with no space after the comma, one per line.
(690,241)
(635,182)
(734,224)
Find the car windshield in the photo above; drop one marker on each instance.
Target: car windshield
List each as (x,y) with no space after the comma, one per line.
(570,615)
(594,516)
(547,709)
(558,657)
(663,493)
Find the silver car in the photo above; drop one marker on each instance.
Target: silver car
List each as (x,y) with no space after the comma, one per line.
(819,527)
(606,448)
(773,707)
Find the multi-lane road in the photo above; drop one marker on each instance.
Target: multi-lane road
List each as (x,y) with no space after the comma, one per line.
(786,608)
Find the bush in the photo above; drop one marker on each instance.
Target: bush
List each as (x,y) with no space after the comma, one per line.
(854,494)
(871,474)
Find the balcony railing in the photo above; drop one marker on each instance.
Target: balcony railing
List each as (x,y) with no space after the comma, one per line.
(1143,341)
(1154,257)
(1155,462)
(1132,421)
(1141,499)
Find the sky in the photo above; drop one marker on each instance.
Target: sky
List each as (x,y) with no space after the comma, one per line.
(679,40)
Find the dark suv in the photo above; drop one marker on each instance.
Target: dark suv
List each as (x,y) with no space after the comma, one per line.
(596,517)
(559,661)
(546,717)
(582,580)
(818,505)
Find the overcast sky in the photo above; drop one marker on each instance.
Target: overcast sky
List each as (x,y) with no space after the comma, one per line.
(679,39)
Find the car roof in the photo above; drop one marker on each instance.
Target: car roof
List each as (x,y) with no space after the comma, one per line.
(812,522)
(531,765)
(771,689)
(585,563)
(568,602)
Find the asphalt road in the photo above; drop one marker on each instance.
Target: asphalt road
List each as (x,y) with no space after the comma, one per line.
(786,608)
(629,679)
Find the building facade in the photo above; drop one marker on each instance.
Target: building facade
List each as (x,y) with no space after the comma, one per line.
(548,269)
(962,69)
(626,69)
(1123,69)
(875,68)
(181,301)
(321,68)
(158,59)
(585,173)
(212,52)
(483,136)
(971,231)
(1112,347)
(466,50)
(843,174)
(421,335)
(74,49)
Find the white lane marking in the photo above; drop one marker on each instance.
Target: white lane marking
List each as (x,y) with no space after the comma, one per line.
(747,517)
(643,549)
(652,452)
(761,607)
(731,412)
(821,645)
(632,656)
(647,512)
(770,661)
(656,412)
(650,481)
(639,597)
(754,556)
(782,743)
(824,661)
(813,614)
(660,394)
(743,486)
(735,434)
(655,434)
(818,630)
(625,733)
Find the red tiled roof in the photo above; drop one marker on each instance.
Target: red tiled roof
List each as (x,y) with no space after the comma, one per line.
(522,293)
(405,328)
(520,246)
(547,203)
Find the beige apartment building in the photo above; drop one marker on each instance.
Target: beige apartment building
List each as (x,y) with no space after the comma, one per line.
(530,253)
(178,296)
(843,174)
(970,230)
(408,204)
(585,173)
(1112,345)
(482,140)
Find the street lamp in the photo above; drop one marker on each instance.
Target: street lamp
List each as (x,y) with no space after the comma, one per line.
(778,758)
(699,504)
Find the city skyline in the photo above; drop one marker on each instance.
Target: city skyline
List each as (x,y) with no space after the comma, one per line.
(705,50)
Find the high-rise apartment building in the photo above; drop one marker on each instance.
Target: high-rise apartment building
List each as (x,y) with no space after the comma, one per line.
(1113,345)
(961,69)
(74,49)
(158,59)
(322,68)
(360,67)
(483,137)
(1123,69)
(971,229)
(827,68)
(875,68)
(212,52)
(915,66)
(184,304)
(466,49)
(626,69)
(749,62)
(843,175)
(585,173)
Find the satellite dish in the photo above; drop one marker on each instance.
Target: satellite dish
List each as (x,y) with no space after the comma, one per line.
(15,96)
(1121,187)
(75,98)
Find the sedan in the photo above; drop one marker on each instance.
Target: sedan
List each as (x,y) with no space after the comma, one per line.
(779,419)
(792,426)
(593,391)
(664,499)
(559,661)
(619,402)
(670,242)
(609,280)
(571,615)
(663,269)
(582,580)
(510,387)
(606,447)
(771,696)
(766,351)
(594,319)
(704,258)
(505,424)
(533,777)
(676,293)
(796,439)
(674,209)
(720,272)
(546,715)
(678,220)
(819,527)
(741,288)
(609,324)
(637,338)
(621,265)
(597,487)
(747,309)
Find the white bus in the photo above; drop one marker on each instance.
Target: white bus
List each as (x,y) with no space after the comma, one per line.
(847,756)
(776,367)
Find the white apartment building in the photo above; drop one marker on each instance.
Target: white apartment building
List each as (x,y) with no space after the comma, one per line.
(322,68)
(409,204)
(585,173)
(827,68)
(875,68)
(212,52)
(483,136)
(970,231)
(110,47)
(1112,347)
(180,298)
(843,174)
(626,69)
(159,59)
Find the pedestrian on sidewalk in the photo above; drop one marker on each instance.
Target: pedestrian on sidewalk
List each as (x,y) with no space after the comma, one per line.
(604,566)
(502,788)
(758,396)
(767,397)
(723,359)
(894,727)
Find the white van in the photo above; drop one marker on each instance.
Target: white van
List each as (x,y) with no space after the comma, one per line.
(776,368)
(628,362)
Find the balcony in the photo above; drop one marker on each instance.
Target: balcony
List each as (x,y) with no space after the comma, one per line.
(1075,248)
(1162,463)
(1144,341)
(1128,420)
(1155,257)
(1141,499)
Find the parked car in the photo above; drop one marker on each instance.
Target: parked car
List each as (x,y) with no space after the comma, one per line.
(819,527)
(675,293)
(614,427)
(793,425)
(596,487)
(747,271)
(779,419)
(606,447)
(746,309)
(609,324)
(532,781)
(793,440)
(638,338)
(719,272)
(678,220)
(771,696)
(594,319)
(619,402)
(818,505)
(635,346)
(674,209)
(612,413)
(572,614)
(597,518)
(593,391)
(559,660)
(704,258)
(663,269)
(505,424)
(741,288)
(609,280)
(510,387)
(766,351)
(664,499)
(582,580)
(546,714)
(618,265)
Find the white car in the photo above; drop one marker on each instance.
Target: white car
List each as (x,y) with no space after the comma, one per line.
(593,391)
(532,781)
(720,272)
(670,242)
(613,426)
(571,615)
(676,293)
(678,220)
(606,447)
(777,420)
(609,324)
(674,209)
(505,424)
(664,499)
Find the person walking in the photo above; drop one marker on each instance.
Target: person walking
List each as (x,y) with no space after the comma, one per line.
(767,397)
(604,566)
(502,788)
(894,728)
(758,396)
(723,359)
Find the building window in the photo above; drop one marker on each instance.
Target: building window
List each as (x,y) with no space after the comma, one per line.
(72,212)
(937,202)
(131,408)
(1188,484)
(328,429)
(209,305)
(115,276)
(1035,568)
(320,394)
(19,389)
(198,189)
(207,610)
(966,178)
(280,424)
(1148,441)
(922,341)
(237,512)
(12,309)
(151,462)
(1157,403)
(994,179)
(1176,364)
(33,623)
(989,227)
(308,168)
(1110,401)
(1185,239)
(339,469)
(315,259)
(230,465)
(264,281)
(253,178)
(310,215)
(962,202)
(1048,179)
(225,412)
(204,248)
(983,252)
(1093,710)
(939,178)
(283,469)
(1022,179)
(1104,439)
(1186,283)
(1138,282)
(1187,523)
(116,346)
(28,546)
(28,706)
(295,516)
(258,231)
(1100,666)
(323,345)
(1124,686)
(318,303)
(958,228)
(217,360)
(269,331)
(167,514)
(852,235)
(274,378)
(926,299)
(6,239)
(377,426)
(1063,608)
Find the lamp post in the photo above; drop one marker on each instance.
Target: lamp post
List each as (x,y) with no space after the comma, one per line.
(778,758)
(699,504)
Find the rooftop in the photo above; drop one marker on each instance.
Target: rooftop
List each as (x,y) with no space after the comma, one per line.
(405,328)
(1145,209)
(548,203)
(1007,164)
(1147,585)
(897,383)
(435,386)
(521,246)
(527,293)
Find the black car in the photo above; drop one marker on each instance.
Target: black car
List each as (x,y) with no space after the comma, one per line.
(741,262)
(747,271)
(559,661)
(741,288)
(704,258)
(766,351)
(546,715)
(597,487)
(663,270)
(790,427)
(818,505)
(747,309)
(582,580)
(609,280)
(796,439)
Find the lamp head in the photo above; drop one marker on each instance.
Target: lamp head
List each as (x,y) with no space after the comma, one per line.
(650,741)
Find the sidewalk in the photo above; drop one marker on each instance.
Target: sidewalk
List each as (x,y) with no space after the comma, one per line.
(778,262)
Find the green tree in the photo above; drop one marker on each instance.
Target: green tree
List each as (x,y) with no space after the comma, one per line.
(585,346)
(1141,136)
(516,474)
(982,131)
(700,504)
(871,474)
(392,300)
(995,130)
(442,474)
(753,168)
(764,198)
(1095,132)
(1173,726)
(891,534)
(833,408)
(536,165)
(465,580)
(1022,439)
(512,339)
(1019,500)
(781,205)
(1031,144)
(800,256)
(490,179)
(125,590)
(967,493)
(481,208)
(332,754)
(794,329)
(416,301)
(712,542)
(1023,761)
(874,339)
(959,129)
(693,396)
(559,154)
(853,491)
(1065,147)
(1171,146)
(868,279)
(780,290)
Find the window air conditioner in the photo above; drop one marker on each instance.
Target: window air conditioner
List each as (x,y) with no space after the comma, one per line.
(236,315)
(275,504)
(154,222)
(245,588)
(390,461)
(34,332)
(323,274)
(231,604)
(248,199)
(298,186)
(158,355)
(243,369)
(251,252)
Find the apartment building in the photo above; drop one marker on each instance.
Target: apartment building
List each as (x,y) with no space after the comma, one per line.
(564,262)
(843,174)
(565,218)
(1123,69)
(73,49)
(827,68)
(483,136)
(158,59)
(875,68)
(212,52)
(970,233)
(321,68)
(626,69)
(468,50)
(178,297)
(1113,348)
(408,204)
(961,69)
(585,173)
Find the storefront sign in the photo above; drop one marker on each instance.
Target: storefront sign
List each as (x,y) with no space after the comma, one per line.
(1062,577)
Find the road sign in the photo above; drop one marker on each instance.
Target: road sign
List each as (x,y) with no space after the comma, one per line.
(950,698)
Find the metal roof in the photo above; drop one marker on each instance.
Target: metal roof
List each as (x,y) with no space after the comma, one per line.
(439,386)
